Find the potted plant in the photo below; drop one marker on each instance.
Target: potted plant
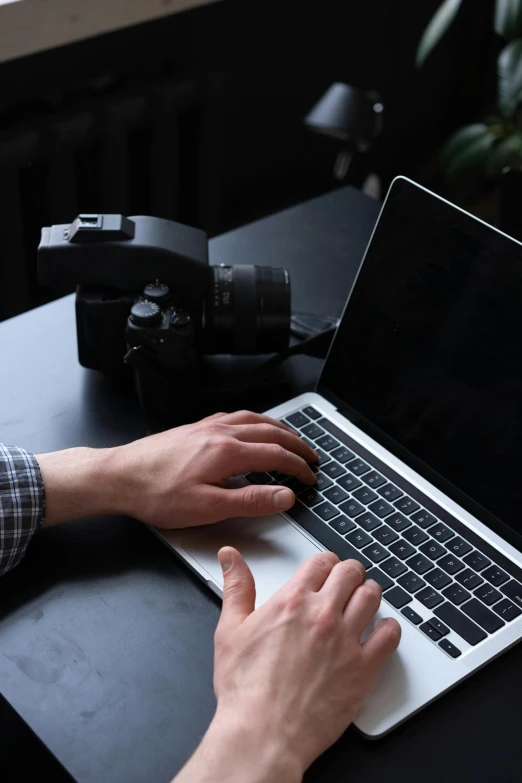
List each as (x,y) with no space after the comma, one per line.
(480,152)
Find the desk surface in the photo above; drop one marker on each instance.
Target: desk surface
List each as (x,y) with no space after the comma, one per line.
(106,639)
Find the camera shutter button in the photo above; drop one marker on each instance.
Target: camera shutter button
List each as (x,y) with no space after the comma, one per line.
(145,313)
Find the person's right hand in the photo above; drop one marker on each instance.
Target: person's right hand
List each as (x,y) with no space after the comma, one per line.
(290,676)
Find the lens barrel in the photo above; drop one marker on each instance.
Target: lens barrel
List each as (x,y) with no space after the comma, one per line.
(247,310)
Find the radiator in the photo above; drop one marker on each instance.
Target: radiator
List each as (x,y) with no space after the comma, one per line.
(153,149)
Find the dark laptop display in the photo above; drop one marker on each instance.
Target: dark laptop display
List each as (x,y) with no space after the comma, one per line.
(429,350)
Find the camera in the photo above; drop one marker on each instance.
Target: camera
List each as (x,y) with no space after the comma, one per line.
(148,301)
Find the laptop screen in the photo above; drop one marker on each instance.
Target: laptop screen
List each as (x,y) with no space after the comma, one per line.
(428,355)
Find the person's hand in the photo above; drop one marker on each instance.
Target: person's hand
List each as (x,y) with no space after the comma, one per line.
(179,478)
(291,676)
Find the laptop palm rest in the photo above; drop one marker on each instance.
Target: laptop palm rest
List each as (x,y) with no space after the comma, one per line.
(272,547)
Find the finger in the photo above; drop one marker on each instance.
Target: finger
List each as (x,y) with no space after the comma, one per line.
(262,457)
(239,590)
(363,606)
(382,642)
(342,582)
(268,433)
(248,417)
(213,416)
(314,572)
(255,500)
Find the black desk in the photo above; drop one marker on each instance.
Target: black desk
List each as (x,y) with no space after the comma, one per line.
(106,640)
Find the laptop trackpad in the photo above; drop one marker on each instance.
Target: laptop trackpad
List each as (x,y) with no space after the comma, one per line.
(272,547)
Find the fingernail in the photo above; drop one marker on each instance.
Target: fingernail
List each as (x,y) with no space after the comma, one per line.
(380,621)
(283,498)
(225,560)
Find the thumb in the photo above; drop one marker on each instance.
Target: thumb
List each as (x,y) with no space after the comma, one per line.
(258,500)
(239,590)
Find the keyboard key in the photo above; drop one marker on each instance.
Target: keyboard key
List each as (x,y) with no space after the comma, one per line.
(390,492)
(326,511)
(411,582)
(488,594)
(439,626)
(385,535)
(309,444)
(507,610)
(424,519)
(259,478)
(415,535)
(438,578)
(456,594)
(397,597)
(334,470)
(312,431)
(325,535)
(513,590)
(394,567)
(457,546)
(433,550)
(343,454)
(349,482)
(323,457)
(297,420)
(469,579)
(459,623)
(406,505)
(368,521)
(374,479)
(450,648)
(322,481)
(402,549)
(450,564)
(311,412)
(359,538)
(495,575)
(359,467)
(477,561)
(365,495)
(411,615)
(381,578)
(279,477)
(419,564)
(429,597)
(342,524)
(381,508)
(327,443)
(483,616)
(310,497)
(336,494)
(441,532)
(430,631)
(352,508)
(398,522)
(295,485)
(376,553)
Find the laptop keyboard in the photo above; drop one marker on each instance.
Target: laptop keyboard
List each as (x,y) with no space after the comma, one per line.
(361,509)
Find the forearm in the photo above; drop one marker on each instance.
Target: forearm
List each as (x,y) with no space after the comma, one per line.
(232,753)
(79,483)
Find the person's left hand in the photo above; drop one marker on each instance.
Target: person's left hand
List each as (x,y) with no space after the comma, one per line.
(179,478)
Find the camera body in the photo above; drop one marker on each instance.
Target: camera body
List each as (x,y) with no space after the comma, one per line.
(147,300)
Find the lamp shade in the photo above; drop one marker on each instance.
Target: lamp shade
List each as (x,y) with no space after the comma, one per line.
(348,114)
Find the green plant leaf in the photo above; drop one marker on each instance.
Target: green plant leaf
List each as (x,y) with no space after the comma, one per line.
(509,71)
(465,155)
(508,18)
(436,28)
(507,151)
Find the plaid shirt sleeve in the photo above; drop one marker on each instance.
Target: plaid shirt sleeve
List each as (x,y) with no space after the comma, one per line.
(22,504)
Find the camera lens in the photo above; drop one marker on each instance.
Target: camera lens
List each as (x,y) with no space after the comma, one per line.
(247,310)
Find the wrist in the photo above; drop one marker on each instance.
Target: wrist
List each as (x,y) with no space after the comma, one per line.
(79,483)
(241,751)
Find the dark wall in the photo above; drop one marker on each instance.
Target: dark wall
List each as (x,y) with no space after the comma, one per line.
(276,58)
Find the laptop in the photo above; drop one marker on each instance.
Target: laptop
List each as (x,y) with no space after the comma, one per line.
(417,419)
